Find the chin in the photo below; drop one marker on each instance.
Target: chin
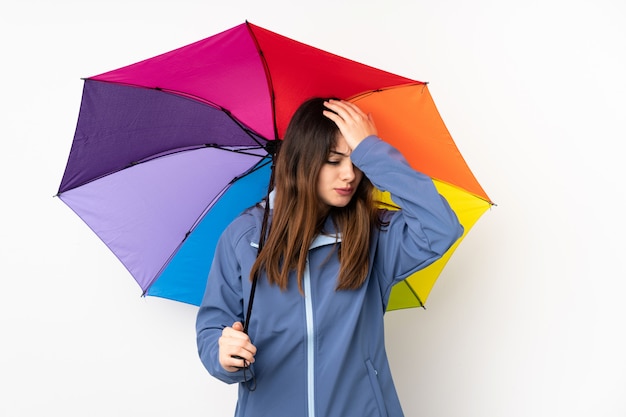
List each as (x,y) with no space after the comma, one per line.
(340,203)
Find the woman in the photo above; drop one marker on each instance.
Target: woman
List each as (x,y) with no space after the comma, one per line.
(315,343)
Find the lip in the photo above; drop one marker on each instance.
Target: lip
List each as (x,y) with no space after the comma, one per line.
(344,191)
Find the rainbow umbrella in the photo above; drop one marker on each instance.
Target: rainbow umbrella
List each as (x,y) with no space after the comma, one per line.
(169,150)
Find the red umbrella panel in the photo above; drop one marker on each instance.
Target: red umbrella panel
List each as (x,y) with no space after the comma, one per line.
(167,151)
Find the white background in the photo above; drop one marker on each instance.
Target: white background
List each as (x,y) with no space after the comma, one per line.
(526,320)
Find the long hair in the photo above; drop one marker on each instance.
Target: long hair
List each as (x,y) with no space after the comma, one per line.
(299,215)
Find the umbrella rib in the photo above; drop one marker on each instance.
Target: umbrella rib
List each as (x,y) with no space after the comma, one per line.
(419,300)
(379,90)
(478,196)
(255,168)
(244,151)
(227,112)
(268,77)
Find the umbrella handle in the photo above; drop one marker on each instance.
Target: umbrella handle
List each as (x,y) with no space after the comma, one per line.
(249,312)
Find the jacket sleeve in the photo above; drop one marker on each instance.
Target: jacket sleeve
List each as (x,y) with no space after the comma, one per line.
(425,227)
(221,306)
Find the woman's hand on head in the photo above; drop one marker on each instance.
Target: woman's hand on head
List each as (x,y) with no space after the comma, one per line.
(353,124)
(235,349)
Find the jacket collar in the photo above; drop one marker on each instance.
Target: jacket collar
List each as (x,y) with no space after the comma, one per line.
(320,240)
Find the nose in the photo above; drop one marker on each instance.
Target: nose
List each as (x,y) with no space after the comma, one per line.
(347,171)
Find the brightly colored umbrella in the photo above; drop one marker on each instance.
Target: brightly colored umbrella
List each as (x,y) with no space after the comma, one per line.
(169,150)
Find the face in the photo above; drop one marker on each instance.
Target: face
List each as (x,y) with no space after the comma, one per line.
(338,178)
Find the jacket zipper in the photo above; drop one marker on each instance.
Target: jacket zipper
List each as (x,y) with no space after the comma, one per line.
(310,341)
(320,240)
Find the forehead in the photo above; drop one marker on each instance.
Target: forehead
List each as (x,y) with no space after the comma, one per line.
(340,146)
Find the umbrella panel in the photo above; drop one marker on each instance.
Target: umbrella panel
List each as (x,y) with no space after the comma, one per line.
(224,69)
(144,213)
(414,291)
(119,126)
(298,72)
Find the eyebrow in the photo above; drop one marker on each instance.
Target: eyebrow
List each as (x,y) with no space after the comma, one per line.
(339,153)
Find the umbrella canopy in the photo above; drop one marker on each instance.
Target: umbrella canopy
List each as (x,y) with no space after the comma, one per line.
(169,150)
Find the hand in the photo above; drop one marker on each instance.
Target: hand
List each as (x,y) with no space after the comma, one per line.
(353,124)
(235,343)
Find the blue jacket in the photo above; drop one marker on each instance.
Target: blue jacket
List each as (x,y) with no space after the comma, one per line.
(323,354)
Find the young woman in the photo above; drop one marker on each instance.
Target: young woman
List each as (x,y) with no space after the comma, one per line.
(315,343)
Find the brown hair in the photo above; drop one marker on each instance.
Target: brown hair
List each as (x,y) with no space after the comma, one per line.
(298,213)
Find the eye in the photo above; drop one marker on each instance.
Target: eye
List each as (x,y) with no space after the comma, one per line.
(333,162)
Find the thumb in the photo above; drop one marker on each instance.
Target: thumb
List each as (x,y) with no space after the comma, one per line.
(238,326)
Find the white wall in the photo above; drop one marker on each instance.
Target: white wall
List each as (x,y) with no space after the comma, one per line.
(527,318)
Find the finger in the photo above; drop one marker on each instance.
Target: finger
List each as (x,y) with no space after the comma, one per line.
(346,109)
(342,118)
(350,106)
(333,116)
(233,357)
(239,355)
(359,116)
(335,109)
(237,346)
(235,332)
(241,362)
(233,363)
(236,342)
